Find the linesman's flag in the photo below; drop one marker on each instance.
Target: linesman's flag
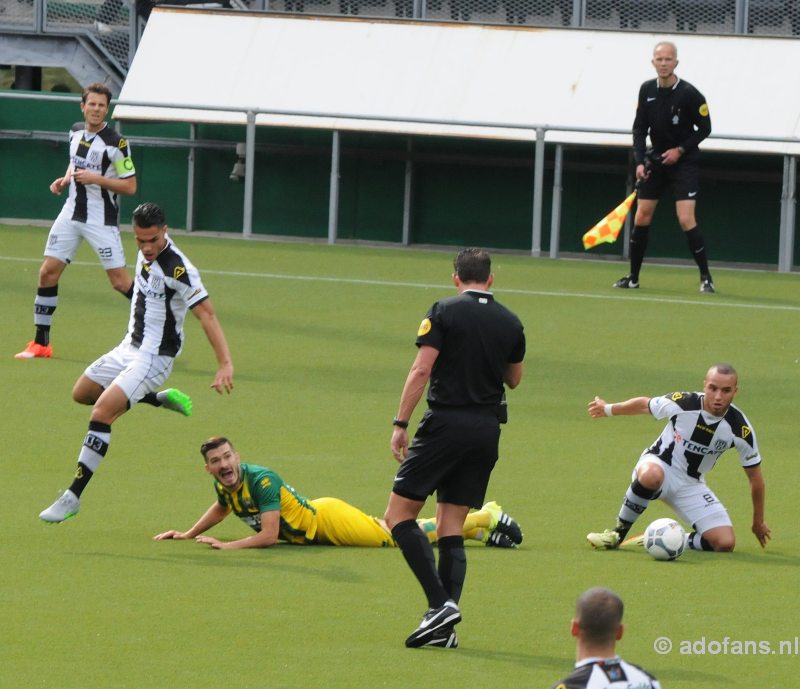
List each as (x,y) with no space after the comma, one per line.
(607,230)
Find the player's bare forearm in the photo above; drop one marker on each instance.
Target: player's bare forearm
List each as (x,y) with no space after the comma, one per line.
(123,187)
(212,516)
(599,408)
(223,379)
(758,492)
(267,536)
(258,540)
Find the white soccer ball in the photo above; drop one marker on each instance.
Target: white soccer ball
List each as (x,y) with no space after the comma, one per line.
(665,539)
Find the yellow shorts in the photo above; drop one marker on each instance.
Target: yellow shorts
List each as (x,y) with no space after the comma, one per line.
(339,523)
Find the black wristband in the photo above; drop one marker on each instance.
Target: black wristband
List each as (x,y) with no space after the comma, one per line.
(400,424)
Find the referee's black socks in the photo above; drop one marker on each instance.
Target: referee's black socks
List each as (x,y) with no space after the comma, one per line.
(697,247)
(418,553)
(638,247)
(452,565)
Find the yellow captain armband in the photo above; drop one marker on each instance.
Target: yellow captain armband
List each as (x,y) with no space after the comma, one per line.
(124,167)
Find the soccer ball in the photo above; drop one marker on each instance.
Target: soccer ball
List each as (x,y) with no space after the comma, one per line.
(665,539)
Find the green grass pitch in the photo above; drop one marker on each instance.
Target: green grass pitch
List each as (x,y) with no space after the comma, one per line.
(322,338)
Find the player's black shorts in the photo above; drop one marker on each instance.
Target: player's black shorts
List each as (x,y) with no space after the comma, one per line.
(453,453)
(683,179)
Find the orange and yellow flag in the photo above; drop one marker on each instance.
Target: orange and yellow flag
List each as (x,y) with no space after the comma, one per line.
(607,230)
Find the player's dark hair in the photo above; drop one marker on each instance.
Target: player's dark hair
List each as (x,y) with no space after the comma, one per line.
(725,370)
(96,87)
(213,443)
(599,615)
(473,265)
(148,214)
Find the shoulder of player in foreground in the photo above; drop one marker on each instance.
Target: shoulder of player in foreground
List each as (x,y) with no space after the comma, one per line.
(577,679)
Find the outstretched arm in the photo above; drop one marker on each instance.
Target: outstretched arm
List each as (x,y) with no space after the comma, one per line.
(757,495)
(213,516)
(636,405)
(223,380)
(270,527)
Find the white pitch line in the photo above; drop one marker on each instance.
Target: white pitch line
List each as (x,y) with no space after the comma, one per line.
(423,285)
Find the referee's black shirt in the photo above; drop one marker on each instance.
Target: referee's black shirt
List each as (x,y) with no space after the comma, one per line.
(477,338)
(673,116)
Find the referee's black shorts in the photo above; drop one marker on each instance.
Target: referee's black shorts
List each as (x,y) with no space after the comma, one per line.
(453,453)
(682,179)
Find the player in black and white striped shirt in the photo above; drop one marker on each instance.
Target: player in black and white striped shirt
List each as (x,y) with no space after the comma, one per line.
(702,425)
(100,169)
(597,626)
(167,286)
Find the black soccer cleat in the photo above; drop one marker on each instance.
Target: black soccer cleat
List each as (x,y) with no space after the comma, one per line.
(706,286)
(443,638)
(626,283)
(500,540)
(445,616)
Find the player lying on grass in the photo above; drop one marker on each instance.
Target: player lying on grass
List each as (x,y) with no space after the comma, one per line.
(702,425)
(275,511)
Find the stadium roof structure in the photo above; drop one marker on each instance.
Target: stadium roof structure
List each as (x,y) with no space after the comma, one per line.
(404,77)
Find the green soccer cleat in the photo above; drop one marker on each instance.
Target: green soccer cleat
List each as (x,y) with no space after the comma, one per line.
(174,399)
(607,540)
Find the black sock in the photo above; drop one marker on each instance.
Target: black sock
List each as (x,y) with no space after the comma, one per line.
(697,542)
(151,398)
(636,500)
(452,565)
(95,446)
(82,477)
(638,246)
(418,553)
(42,336)
(44,307)
(697,248)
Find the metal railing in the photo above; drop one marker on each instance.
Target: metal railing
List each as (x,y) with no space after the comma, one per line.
(787,200)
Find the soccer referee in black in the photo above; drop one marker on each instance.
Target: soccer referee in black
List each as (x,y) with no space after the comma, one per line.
(675,115)
(470,347)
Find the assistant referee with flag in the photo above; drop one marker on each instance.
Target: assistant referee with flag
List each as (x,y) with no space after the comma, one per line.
(675,115)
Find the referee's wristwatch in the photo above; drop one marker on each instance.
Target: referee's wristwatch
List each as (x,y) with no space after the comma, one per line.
(399,423)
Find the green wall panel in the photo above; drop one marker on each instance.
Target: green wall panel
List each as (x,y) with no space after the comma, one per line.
(465,191)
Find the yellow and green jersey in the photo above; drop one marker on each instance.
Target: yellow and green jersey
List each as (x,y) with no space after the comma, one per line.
(263,490)
(325,521)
